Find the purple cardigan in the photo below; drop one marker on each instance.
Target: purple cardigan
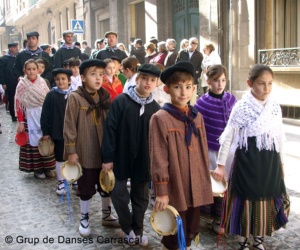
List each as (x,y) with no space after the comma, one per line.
(215,113)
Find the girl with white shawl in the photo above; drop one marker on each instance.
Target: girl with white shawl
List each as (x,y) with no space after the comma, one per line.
(256,201)
(30,95)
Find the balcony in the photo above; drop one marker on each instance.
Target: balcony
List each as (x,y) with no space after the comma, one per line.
(285,64)
(284,60)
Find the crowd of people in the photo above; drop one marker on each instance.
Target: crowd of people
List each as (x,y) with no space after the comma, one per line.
(141,114)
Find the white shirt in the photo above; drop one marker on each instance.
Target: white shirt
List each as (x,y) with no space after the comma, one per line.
(160,96)
(129,82)
(76,82)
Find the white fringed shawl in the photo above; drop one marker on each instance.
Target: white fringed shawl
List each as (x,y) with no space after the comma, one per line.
(251,118)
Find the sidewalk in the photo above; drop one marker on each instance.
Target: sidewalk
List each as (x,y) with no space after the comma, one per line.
(32,216)
(292,132)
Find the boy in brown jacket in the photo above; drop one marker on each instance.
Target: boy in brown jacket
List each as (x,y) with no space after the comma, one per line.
(179,154)
(86,113)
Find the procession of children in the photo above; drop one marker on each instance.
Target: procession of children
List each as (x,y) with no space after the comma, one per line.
(181,148)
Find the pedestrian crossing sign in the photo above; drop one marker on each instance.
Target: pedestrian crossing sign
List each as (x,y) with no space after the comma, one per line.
(77,26)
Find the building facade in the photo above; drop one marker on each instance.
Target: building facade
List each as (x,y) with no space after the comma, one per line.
(244,32)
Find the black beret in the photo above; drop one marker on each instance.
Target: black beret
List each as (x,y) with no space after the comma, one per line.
(110,32)
(180,66)
(116,58)
(33,33)
(45,46)
(62,71)
(149,69)
(90,63)
(12,45)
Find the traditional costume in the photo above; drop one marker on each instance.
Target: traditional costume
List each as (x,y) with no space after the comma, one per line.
(179,165)
(215,109)
(256,201)
(126,145)
(83,131)
(29,99)
(52,123)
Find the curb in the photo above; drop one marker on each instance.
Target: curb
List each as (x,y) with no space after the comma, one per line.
(289,121)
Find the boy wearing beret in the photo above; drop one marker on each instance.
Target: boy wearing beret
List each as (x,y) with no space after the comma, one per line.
(86,113)
(125,150)
(52,118)
(179,154)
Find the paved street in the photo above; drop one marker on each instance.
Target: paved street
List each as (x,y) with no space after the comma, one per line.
(32,216)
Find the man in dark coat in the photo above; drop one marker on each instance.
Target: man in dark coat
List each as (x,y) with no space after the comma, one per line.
(111,48)
(7,78)
(191,54)
(67,50)
(33,51)
(139,50)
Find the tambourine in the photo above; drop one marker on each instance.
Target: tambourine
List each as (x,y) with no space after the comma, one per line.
(107,180)
(46,147)
(21,138)
(71,172)
(218,187)
(164,222)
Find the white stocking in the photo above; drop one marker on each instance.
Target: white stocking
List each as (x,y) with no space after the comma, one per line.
(58,170)
(84,209)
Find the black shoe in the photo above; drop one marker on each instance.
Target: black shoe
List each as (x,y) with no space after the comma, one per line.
(14,119)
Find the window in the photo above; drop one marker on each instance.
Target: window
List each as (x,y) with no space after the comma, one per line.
(287,23)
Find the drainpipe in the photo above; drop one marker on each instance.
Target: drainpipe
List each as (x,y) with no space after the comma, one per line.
(230,47)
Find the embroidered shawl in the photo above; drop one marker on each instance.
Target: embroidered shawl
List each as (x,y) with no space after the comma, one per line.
(30,95)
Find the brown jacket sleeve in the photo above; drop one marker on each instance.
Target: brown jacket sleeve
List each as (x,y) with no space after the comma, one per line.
(159,163)
(70,124)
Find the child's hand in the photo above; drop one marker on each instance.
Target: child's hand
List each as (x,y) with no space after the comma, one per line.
(107,166)
(161,203)
(20,128)
(73,158)
(219,173)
